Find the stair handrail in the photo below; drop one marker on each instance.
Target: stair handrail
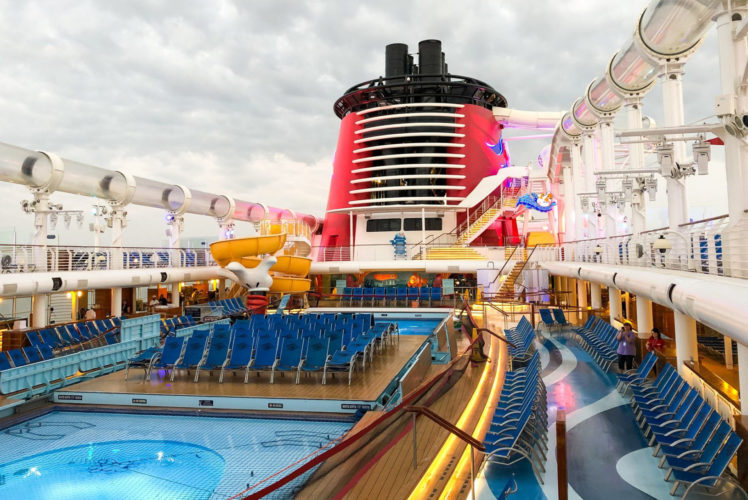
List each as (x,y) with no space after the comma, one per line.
(504,266)
(446,425)
(487,204)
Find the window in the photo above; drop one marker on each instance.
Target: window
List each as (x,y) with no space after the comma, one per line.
(382,225)
(432,224)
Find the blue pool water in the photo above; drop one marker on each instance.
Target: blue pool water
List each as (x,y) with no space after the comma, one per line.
(75,455)
(414,326)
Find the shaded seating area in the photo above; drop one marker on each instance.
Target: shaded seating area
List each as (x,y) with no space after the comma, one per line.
(40,368)
(693,440)
(61,340)
(390,296)
(522,336)
(279,344)
(519,423)
(598,338)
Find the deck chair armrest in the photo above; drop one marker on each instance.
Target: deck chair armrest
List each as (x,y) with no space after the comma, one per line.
(668,422)
(697,465)
(681,441)
(689,452)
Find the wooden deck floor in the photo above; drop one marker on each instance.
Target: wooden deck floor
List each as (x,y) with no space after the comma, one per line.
(383,468)
(366,386)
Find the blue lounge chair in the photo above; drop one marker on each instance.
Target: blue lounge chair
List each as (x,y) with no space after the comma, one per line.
(390,296)
(715,468)
(17,358)
(4,362)
(436,295)
(402,294)
(46,351)
(192,356)
(379,295)
(340,361)
(368,295)
(216,357)
(558,315)
(239,358)
(265,355)
(289,359)
(142,359)
(316,356)
(32,354)
(168,356)
(34,338)
(547,318)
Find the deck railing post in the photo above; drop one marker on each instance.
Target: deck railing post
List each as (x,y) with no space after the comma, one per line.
(415,443)
(472,472)
(563,484)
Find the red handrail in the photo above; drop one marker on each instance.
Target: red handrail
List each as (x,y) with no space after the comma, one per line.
(342,445)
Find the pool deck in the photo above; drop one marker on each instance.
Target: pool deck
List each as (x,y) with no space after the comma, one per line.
(258,394)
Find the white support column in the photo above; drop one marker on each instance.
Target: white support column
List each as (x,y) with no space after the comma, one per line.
(608,162)
(638,206)
(730,75)
(672,97)
(743,375)
(570,202)
(614,296)
(582,294)
(578,182)
(175,225)
(728,351)
(225,229)
(117,216)
(596,296)
(643,316)
(686,346)
(39,302)
(588,150)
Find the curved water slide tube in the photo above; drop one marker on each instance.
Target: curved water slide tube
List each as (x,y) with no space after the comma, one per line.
(666,30)
(281,274)
(46,171)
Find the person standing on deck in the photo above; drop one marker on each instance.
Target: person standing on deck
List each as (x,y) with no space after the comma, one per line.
(626,347)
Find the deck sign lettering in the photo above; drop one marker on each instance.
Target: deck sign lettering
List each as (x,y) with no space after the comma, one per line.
(69,397)
(355,406)
(275,405)
(206,402)
(139,401)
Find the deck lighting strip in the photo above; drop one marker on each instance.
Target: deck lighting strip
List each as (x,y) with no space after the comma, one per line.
(439,464)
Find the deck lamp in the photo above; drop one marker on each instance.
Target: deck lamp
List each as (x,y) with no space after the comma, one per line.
(662,244)
(650,183)
(628,188)
(600,184)
(665,158)
(598,250)
(702,153)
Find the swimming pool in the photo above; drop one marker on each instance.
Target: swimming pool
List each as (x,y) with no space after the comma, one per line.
(74,455)
(414,326)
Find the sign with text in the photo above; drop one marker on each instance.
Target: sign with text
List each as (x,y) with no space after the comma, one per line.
(448,287)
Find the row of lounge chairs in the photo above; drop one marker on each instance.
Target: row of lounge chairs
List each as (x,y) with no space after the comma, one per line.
(522,336)
(383,295)
(75,336)
(240,349)
(553,318)
(694,441)
(598,338)
(46,341)
(229,307)
(519,425)
(171,325)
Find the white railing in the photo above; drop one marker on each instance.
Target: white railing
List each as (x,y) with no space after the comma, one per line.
(712,246)
(30,258)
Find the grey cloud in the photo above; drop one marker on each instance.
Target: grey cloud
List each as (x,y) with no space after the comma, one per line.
(237,96)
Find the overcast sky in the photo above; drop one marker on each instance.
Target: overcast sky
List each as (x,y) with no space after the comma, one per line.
(236,97)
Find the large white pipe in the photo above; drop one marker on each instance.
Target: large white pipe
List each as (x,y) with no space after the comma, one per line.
(430,266)
(717,302)
(32,168)
(516,118)
(25,284)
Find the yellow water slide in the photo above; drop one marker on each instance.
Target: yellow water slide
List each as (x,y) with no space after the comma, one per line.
(288,273)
